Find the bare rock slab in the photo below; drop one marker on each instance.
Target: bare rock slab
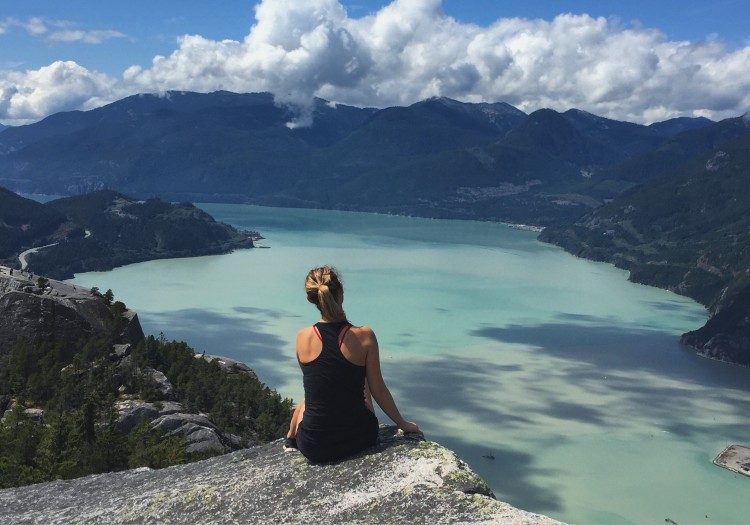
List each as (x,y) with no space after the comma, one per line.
(399,481)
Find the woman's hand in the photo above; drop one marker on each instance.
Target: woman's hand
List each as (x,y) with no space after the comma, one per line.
(410,427)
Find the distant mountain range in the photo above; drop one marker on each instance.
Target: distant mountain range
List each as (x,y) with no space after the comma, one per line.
(668,201)
(438,157)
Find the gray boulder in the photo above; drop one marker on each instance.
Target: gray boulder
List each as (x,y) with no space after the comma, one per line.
(132,411)
(230,365)
(163,387)
(172,422)
(201,439)
(199,432)
(399,481)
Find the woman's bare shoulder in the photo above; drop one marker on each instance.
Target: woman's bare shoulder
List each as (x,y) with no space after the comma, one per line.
(305,332)
(363,332)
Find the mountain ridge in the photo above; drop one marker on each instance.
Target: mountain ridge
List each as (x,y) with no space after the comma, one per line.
(227,147)
(570,172)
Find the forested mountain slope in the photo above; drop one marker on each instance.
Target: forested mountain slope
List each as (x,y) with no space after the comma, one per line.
(105,229)
(686,230)
(437,158)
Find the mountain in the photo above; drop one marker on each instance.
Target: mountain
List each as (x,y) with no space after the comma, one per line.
(680,124)
(686,229)
(438,157)
(676,151)
(222,146)
(665,201)
(105,229)
(24,221)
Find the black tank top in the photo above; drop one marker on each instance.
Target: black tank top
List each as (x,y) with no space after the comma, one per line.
(334,387)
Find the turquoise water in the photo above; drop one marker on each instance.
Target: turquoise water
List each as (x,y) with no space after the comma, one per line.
(496,344)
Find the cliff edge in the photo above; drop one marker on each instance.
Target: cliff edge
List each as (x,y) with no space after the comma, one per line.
(399,481)
(35,308)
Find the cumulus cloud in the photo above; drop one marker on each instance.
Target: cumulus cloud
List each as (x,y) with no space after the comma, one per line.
(294,49)
(410,50)
(29,96)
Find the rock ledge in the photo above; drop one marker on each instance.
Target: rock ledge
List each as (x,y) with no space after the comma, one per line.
(399,481)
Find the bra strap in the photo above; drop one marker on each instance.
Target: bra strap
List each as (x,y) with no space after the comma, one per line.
(343,334)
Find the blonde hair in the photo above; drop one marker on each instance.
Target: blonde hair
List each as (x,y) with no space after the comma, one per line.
(324,290)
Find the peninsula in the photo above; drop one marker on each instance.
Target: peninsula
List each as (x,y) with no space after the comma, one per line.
(105,229)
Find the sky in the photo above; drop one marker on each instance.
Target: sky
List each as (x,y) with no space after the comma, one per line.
(636,60)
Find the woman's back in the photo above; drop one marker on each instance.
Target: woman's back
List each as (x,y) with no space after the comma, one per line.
(341,369)
(336,420)
(354,344)
(334,386)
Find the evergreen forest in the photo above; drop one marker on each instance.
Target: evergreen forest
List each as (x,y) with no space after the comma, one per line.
(61,420)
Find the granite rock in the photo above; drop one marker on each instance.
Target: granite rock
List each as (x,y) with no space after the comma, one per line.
(58,311)
(399,481)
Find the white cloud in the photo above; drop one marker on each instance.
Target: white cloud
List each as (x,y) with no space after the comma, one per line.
(410,50)
(96,36)
(63,30)
(35,26)
(31,95)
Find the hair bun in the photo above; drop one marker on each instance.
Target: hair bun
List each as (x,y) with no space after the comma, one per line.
(324,290)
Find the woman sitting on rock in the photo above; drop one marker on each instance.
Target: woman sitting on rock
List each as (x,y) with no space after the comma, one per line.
(341,370)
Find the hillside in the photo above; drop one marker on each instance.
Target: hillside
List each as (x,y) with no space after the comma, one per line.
(82,391)
(726,336)
(687,230)
(105,229)
(24,222)
(435,158)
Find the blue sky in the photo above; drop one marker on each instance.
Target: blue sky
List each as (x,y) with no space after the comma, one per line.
(634,60)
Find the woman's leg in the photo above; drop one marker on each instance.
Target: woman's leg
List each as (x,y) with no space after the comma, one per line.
(368,397)
(296,419)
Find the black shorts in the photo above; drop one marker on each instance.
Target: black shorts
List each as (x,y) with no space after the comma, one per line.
(323,444)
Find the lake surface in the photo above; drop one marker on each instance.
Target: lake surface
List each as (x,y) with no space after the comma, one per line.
(497,345)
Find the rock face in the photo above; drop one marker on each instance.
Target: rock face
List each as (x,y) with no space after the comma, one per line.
(55,311)
(399,481)
(63,312)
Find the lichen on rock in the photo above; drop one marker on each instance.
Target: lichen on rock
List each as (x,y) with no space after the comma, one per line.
(401,480)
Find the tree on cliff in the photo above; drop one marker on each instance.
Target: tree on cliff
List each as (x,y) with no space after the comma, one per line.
(79,433)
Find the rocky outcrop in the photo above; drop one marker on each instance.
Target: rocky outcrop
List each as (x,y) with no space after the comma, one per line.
(172,419)
(399,481)
(61,312)
(230,365)
(54,311)
(726,336)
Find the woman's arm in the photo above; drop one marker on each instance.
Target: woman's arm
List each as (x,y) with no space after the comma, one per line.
(377,385)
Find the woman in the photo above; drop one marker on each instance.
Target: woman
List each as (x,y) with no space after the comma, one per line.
(341,369)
